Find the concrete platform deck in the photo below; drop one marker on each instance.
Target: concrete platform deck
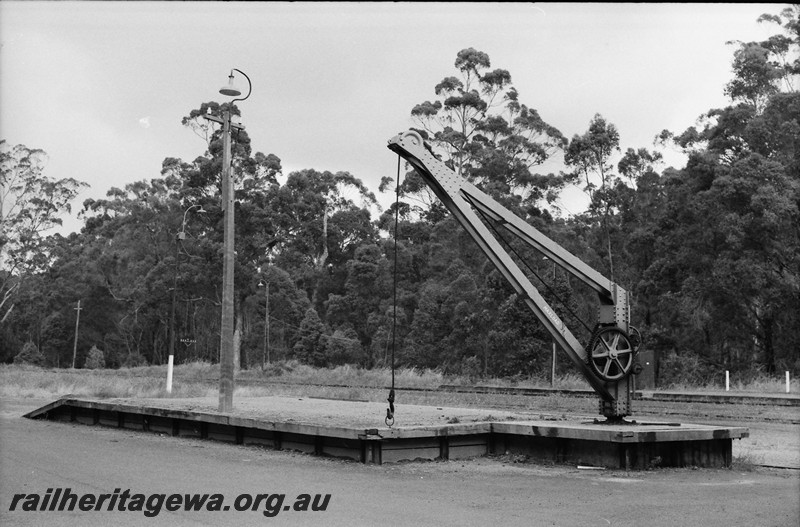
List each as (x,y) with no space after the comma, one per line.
(356,430)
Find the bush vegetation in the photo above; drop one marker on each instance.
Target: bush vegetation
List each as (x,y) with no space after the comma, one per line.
(95,359)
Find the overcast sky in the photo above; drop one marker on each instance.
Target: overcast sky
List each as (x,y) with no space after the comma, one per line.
(102,86)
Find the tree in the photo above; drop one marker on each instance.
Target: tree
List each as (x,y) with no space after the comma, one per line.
(287,308)
(95,359)
(755,76)
(255,182)
(730,219)
(320,224)
(30,204)
(343,347)
(762,69)
(486,135)
(132,251)
(365,287)
(30,354)
(590,155)
(310,349)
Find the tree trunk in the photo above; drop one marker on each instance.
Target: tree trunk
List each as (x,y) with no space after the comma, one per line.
(324,257)
(769,348)
(237,343)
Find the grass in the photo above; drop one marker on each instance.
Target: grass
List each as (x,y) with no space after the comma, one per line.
(289,378)
(747,462)
(295,372)
(761,384)
(33,382)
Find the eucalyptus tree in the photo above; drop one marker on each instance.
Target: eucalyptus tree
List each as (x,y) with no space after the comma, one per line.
(320,219)
(131,245)
(255,184)
(31,203)
(731,217)
(483,132)
(486,135)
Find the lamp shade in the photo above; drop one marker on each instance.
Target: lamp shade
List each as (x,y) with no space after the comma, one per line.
(230,89)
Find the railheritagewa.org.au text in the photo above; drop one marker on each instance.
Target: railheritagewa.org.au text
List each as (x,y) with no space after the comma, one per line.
(151,505)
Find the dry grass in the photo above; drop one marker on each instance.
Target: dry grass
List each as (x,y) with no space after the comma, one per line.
(291,379)
(747,461)
(29,381)
(761,384)
(295,380)
(295,372)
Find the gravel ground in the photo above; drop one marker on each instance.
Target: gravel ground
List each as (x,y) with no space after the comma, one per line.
(327,412)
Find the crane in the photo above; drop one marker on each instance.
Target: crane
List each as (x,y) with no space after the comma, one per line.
(609,358)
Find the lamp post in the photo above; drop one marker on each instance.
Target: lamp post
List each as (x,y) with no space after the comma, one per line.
(178,238)
(226,326)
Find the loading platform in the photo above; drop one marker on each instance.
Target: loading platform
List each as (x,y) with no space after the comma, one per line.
(355,430)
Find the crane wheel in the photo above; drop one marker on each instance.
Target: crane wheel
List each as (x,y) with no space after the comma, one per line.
(611,353)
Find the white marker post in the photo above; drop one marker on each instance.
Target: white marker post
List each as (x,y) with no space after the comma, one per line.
(787,382)
(169,374)
(727,380)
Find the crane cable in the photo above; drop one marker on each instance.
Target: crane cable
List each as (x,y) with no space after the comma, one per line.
(390,411)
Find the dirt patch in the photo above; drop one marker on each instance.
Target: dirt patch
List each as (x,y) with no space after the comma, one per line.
(769,444)
(326,412)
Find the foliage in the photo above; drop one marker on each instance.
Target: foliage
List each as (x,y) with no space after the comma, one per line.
(486,135)
(95,359)
(30,204)
(682,367)
(730,217)
(310,348)
(30,354)
(709,251)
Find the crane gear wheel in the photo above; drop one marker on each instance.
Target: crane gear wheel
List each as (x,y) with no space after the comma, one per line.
(611,353)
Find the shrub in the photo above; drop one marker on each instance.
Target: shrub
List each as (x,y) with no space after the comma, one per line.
(343,348)
(682,369)
(30,354)
(134,361)
(95,359)
(471,367)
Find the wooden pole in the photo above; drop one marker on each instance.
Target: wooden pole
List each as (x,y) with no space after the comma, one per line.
(226,326)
